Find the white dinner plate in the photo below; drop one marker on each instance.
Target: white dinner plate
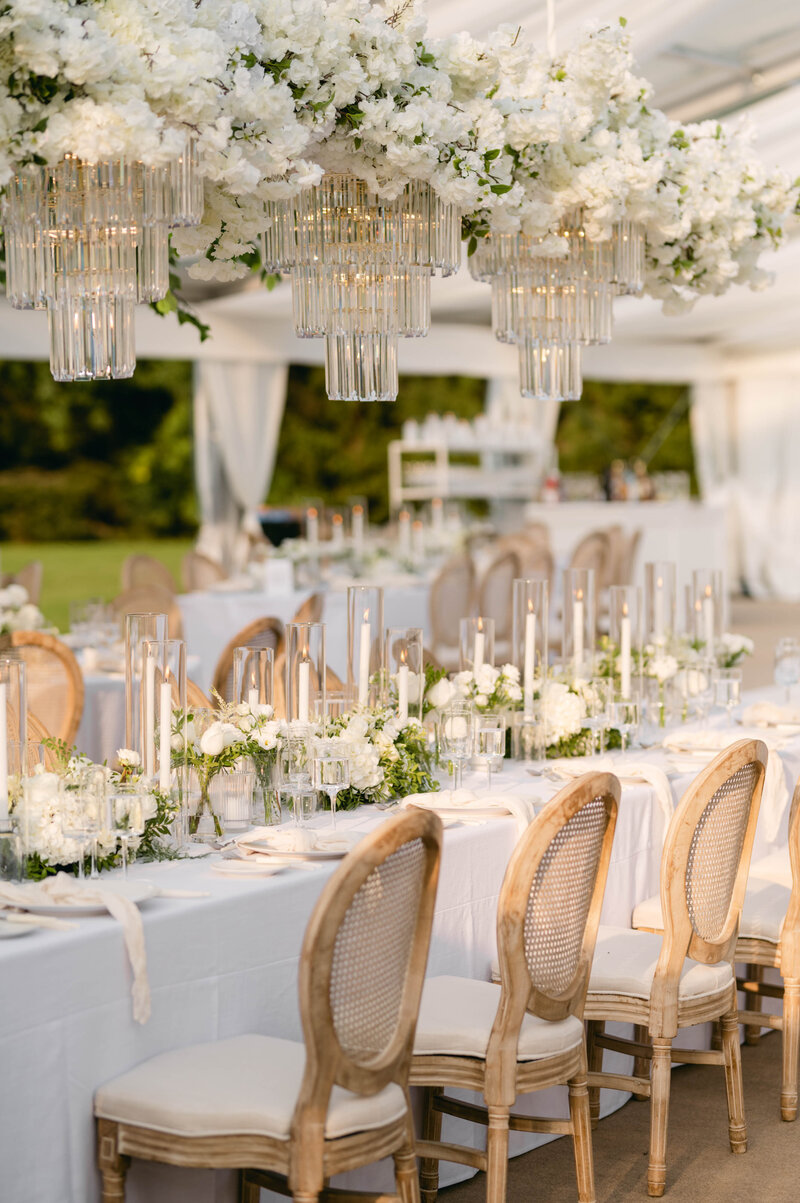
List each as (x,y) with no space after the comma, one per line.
(467,812)
(286,855)
(8,931)
(230,867)
(134,891)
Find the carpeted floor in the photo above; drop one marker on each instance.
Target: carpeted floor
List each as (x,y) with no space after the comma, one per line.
(700,1166)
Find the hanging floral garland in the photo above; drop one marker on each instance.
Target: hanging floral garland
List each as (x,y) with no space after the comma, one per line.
(336,143)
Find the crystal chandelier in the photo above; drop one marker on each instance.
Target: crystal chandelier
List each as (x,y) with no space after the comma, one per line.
(552,305)
(361,272)
(87,242)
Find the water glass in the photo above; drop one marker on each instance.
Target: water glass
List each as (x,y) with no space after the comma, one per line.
(294,766)
(125,814)
(456,738)
(695,688)
(597,696)
(490,741)
(624,717)
(787,663)
(331,773)
(728,689)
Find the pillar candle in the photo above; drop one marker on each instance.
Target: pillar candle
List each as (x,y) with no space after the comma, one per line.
(529,661)
(252,698)
(658,602)
(337,530)
(577,630)
(437,514)
(402,690)
(708,620)
(418,540)
(404,532)
(480,651)
(150,717)
(363,660)
(312,525)
(357,522)
(303,682)
(625,653)
(4,752)
(165,737)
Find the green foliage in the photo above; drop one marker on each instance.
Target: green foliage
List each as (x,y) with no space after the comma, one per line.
(615,421)
(83,461)
(335,449)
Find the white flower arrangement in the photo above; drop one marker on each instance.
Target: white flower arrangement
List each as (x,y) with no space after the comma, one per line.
(490,688)
(17,612)
(732,649)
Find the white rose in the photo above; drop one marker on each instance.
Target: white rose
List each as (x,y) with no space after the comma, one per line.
(128,758)
(44,788)
(441,694)
(212,741)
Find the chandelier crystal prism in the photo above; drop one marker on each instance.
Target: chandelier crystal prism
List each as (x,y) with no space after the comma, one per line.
(361,269)
(88,241)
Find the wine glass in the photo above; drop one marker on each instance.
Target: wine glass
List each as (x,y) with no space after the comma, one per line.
(294,768)
(624,716)
(125,815)
(456,738)
(787,663)
(728,689)
(490,740)
(331,773)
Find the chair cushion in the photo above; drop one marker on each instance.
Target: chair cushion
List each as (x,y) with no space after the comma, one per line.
(775,867)
(247,1085)
(625,963)
(765,907)
(457,1014)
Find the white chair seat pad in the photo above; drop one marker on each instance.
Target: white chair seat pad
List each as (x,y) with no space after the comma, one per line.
(765,905)
(625,963)
(775,867)
(247,1085)
(457,1015)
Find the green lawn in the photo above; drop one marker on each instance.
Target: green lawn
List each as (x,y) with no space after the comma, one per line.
(77,571)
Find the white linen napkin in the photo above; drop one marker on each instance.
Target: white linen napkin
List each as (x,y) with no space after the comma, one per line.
(639,770)
(522,809)
(300,839)
(63,890)
(26,920)
(776,794)
(769,714)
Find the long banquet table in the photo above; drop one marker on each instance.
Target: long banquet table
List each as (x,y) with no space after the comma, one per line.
(226,965)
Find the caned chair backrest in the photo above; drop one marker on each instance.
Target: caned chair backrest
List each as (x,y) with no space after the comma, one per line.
(151,599)
(195,698)
(429,660)
(37,734)
(200,572)
(495,597)
(263,632)
(30,577)
(705,863)
(311,609)
(535,556)
(549,908)
(452,598)
(54,682)
(363,962)
(146,570)
(594,551)
(790,935)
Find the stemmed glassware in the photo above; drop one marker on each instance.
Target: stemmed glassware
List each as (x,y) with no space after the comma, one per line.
(490,740)
(456,738)
(331,772)
(787,663)
(294,771)
(597,696)
(81,822)
(624,716)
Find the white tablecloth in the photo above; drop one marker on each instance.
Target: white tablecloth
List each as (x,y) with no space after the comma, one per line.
(211,618)
(227,965)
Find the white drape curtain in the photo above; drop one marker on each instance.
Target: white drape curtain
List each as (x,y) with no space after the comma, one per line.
(238,408)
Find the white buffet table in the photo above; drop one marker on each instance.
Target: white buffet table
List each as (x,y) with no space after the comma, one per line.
(226,965)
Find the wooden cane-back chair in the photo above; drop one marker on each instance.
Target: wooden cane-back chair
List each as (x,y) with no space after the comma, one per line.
(53,681)
(29,576)
(686,977)
(525,1033)
(151,599)
(769,937)
(37,734)
(288,1114)
(144,570)
(263,632)
(200,572)
(452,598)
(196,699)
(311,609)
(495,596)
(594,551)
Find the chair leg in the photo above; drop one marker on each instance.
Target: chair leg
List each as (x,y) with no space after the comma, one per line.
(755,973)
(660,1068)
(497,1155)
(791,1048)
(579,1112)
(405,1168)
(113,1165)
(249,1192)
(431,1130)
(737,1128)
(641,1065)
(594,1027)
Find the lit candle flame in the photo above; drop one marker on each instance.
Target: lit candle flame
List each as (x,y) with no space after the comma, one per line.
(579,595)
(624,609)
